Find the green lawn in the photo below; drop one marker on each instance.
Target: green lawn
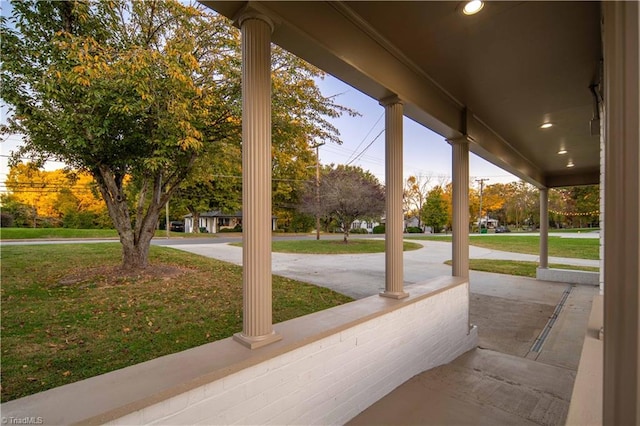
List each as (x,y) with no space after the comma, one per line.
(517,267)
(65,318)
(580,248)
(333,246)
(60,233)
(574,230)
(33,233)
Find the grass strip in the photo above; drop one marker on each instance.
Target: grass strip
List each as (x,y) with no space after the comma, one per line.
(354,246)
(579,248)
(62,233)
(517,267)
(65,318)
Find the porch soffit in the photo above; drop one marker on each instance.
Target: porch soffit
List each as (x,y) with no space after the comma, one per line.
(495,76)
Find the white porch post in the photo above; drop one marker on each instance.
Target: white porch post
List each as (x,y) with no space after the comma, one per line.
(544,228)
(394,214)
(460,182)
(621,30)
(257,328)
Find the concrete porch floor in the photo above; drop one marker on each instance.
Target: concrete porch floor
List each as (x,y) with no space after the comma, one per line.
(516,386)
(482,387)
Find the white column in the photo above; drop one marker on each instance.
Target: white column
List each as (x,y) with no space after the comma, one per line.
(394,214)
(603,148)
(544,228)
(621,31)
(460,182)
(257,328)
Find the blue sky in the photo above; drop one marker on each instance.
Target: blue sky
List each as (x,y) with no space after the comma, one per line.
(425,152)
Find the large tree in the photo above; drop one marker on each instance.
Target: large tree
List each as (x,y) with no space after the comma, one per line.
(434,211)
(346,193)
(522,203)
(414,195)
(129,92)
(134,93)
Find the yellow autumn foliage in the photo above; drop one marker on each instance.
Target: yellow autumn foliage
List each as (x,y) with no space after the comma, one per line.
(42,190)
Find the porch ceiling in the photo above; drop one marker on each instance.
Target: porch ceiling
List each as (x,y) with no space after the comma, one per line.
(495,76)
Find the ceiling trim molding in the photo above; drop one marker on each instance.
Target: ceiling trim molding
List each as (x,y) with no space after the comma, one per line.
(364,26)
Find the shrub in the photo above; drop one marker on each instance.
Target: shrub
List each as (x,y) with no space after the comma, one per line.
(379,229)
(228,230)
(414,230)
(301,222)
(358,231)
(6,220)
(79,220)
(237,228)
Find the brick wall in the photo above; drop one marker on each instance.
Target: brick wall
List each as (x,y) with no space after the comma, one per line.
(331,380)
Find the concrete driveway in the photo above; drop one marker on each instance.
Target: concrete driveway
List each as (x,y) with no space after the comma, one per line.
(362,275)
(511,312)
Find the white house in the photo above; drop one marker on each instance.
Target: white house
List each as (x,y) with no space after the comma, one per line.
(413,222)
(364,224)
(488,222)
(214,221)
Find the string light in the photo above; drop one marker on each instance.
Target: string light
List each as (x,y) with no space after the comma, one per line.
(591,213)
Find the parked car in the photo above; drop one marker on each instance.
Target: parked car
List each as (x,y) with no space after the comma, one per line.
(502,230)
(176,226)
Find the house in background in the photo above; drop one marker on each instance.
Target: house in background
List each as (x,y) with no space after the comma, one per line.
(364,224)
(414,222)
(214,221)
(488,223)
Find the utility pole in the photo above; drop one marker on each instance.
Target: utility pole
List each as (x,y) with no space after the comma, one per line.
(168,224)
(481,181)
(317,147)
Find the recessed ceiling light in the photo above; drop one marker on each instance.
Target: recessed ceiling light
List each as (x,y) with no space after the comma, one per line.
(472,7)
(546,125)
(570,164)
(562,151)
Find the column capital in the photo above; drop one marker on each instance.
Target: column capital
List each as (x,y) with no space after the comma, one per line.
(248,13)
(465,139)
(390,100)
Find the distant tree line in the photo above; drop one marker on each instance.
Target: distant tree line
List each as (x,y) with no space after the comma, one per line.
(514,204)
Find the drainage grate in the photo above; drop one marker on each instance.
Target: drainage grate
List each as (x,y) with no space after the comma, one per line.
(537,345)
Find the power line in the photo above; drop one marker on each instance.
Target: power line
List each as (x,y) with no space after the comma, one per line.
(366,148)
(365,137)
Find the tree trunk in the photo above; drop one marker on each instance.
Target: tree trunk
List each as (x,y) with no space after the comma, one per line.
(195,216)
(196,222)
(346,235)
(135,254)
(136,239)
(135,248)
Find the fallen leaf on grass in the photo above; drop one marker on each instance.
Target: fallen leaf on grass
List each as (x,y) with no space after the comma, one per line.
(66,373)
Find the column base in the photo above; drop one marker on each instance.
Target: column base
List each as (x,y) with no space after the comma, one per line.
(255,342)
(394,294)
